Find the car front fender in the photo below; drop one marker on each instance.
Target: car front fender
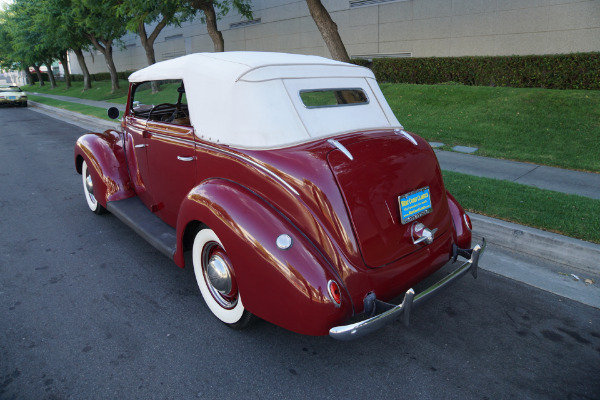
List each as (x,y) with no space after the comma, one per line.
(288,287)
(105,158)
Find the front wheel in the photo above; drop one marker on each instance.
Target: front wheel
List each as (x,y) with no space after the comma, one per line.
(217,282)
(88,190)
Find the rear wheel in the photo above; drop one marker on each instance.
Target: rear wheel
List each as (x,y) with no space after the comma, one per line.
(88,190)
(217,282)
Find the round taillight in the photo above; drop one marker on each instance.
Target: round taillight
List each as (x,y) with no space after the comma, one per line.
(468,222)
(334,292)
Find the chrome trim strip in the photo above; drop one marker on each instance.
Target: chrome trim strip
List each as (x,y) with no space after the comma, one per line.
(341,147)
(402,132)
(362,328)
(174,138)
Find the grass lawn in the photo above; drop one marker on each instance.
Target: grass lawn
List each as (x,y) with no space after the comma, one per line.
(552,127)
(99,91)
(569,215)
(80,108)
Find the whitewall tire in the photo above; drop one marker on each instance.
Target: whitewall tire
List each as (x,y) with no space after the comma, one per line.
(216,279)
(88,190)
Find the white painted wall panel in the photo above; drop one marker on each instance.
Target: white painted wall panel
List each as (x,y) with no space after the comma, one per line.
(424,28)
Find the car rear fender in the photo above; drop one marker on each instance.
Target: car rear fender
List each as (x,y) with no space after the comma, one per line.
(461,233)
(288,287)
(103,153)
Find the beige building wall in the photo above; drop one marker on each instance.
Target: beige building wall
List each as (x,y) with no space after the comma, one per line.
(397,28)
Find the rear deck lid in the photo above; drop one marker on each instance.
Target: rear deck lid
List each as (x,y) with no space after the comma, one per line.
(385,170)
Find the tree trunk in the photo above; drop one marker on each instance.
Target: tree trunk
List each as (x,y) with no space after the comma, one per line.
(28,75)
(114,77)
(148,43)
(106,49)
(208,8)
(328,30)
(39,74)
(210,15)
(65,64)
(50,74)
(211,25)
(87,82)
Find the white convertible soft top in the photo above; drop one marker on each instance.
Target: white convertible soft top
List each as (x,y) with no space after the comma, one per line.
(252,99)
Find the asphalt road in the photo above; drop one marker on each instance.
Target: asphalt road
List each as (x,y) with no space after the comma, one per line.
(88,310)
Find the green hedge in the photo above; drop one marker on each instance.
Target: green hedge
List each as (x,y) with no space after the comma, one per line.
(101,76)
(45,77)
(563,71)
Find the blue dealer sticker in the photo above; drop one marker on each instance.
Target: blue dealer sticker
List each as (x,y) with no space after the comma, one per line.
(414,204)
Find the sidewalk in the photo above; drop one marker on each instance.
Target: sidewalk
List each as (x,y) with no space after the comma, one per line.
(573,253)
(585,184)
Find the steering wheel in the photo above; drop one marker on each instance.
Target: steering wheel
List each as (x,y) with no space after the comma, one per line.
(176,114)
(159,106)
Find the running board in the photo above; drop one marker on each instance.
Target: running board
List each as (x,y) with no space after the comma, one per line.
(138,217)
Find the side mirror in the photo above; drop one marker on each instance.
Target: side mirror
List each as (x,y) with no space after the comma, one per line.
(113,113)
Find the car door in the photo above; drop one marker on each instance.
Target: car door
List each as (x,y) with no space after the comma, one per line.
(137,156)
(171,160)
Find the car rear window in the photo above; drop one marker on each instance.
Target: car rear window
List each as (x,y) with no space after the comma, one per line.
(10,89)
(319,98)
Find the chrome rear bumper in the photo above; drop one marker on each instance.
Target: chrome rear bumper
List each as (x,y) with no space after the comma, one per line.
(390,312)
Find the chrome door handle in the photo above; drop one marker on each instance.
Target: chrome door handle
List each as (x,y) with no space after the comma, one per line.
(180,158)
(139,146)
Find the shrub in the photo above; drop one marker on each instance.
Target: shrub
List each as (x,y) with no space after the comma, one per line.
(44,77)
(561,71)
(101,76)
(125,74)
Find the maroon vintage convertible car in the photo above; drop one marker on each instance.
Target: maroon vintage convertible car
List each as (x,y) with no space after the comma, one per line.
(302,199)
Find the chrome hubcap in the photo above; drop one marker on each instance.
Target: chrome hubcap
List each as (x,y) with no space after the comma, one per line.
(89,186)
(219,275)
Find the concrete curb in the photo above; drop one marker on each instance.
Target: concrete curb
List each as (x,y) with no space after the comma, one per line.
(75,116)
(550,246)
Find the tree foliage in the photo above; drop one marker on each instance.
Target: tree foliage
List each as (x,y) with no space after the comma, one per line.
(102,26)
(62,30)
(27,36)
(35,32)
(156,13)
(161,13)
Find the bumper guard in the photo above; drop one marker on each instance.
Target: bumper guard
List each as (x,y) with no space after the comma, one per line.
(387,313)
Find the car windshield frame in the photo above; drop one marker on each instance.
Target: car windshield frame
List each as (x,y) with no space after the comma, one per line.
(15,89)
